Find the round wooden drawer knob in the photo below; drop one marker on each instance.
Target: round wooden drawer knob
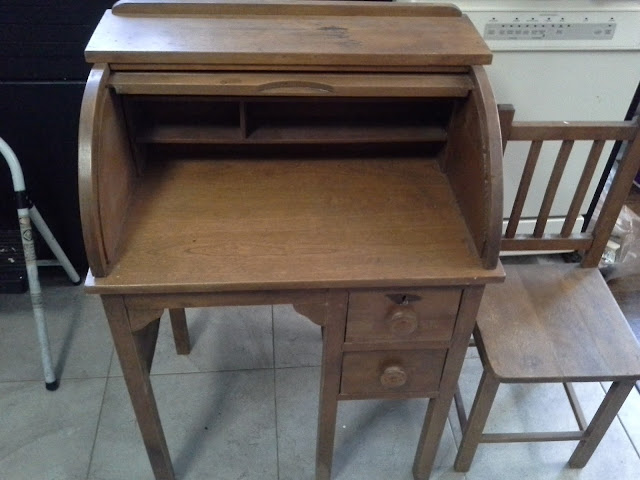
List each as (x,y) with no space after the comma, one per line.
(403,320)
(393,376)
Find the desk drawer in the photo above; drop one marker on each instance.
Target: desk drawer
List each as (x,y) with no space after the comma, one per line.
(392,371)
(425,314)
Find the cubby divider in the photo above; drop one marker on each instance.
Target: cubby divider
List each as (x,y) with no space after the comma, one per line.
(227,121)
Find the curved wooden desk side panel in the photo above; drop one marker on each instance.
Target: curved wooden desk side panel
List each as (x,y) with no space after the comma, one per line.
(87,183)
(106,173)
(474,152)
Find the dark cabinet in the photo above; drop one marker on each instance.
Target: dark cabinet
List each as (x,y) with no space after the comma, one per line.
(41,83)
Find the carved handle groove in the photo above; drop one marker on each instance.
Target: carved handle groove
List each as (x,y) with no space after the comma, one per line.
(292,86)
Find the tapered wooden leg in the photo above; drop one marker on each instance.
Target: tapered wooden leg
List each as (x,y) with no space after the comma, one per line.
(477,419)
(430,438)
(180,330)
(134,352)
(438,409)
(607,411)
(332,341)
(460,410)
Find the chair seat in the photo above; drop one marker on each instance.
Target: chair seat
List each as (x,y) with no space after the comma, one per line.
(551,323)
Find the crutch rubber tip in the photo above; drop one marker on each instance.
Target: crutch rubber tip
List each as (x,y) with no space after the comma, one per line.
(78,282)
(52,386)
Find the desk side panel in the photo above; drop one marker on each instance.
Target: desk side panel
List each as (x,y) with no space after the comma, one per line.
(473,163)
(106,172)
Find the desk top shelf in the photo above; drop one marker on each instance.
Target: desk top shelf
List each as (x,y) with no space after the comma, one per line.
(218,225)
(284,35)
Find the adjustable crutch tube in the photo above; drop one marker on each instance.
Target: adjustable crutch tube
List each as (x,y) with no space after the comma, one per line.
(26,235)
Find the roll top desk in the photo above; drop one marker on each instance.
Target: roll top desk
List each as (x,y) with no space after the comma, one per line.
(344,157)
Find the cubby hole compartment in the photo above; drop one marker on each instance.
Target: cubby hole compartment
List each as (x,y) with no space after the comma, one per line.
(294,121)
(324,121)
(184,120)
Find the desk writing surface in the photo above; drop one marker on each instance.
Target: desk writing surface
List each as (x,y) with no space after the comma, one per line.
(225,225)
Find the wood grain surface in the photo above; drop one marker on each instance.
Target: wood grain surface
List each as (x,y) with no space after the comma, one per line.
(370,317)
(366,372)
(285,84)
(279,7)
(473,163)
(562,324)
(107,173)
(199,225)
(371,41)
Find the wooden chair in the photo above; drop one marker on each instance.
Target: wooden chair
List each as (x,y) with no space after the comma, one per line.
(557,322)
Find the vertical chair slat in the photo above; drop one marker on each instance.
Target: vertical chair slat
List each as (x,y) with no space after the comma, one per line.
(596,132)
(552,187)
(583,185)
(618,191)
(523,188)
(506,113)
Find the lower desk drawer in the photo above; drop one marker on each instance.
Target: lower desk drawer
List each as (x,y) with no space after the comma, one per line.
(416,314)
(382,372)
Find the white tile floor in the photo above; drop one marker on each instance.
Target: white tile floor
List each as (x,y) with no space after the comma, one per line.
(228,413)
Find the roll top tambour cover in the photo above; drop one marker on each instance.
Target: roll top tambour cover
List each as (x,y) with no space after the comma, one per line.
(288,35)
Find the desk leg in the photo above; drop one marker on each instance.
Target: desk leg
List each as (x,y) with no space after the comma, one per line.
(135,351)
(332,340)
(180,330)
(438,409)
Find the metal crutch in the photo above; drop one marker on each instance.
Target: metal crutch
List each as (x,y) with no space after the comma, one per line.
(27,211)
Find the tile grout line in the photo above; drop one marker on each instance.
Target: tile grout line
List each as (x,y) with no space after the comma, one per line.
(200,372)
(97,377)
(104,394)
(275,396)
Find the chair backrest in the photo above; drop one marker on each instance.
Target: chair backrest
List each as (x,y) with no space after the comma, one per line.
(593,242)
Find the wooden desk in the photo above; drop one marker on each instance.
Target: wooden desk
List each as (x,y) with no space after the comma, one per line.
(343,157)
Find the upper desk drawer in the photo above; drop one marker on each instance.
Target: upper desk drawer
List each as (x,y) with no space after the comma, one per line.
(413,85)
(404,314)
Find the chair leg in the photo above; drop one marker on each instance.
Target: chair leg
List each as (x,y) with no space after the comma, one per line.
(477,419)
(607,411)
(180,330)
(459,403)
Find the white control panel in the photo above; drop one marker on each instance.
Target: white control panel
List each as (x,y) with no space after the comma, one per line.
(521,25)
(533,29)
(559,30)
